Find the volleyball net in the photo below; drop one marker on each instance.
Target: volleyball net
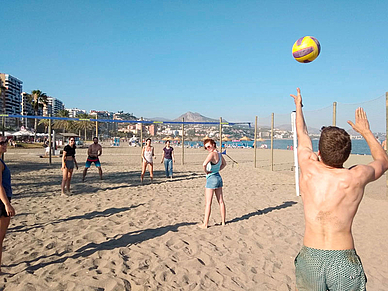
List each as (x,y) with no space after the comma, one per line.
(273,131)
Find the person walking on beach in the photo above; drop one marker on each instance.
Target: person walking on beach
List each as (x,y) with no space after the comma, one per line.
(213,163)
(147,154)
(68,162)
(331,195)
(94,151)
(6,209)
(168,158)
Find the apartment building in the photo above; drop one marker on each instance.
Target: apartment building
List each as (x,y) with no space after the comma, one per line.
(11,97)
(53,106)
(73,112)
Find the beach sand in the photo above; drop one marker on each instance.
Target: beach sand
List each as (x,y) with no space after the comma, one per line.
(116,234)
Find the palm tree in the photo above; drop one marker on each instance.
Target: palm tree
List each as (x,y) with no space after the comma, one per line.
(45,122)
(65,125)
(37,99)
(84,124)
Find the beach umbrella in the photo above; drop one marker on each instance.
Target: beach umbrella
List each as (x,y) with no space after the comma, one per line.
(226,138)
(23,133)
(167,138)
(245,138)
(260,139)
(206,137)
(176,138)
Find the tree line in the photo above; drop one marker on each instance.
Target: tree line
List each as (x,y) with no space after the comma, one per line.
(38,100)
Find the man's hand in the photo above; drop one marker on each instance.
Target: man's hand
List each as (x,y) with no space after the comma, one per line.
(297,98)
(9,209)
(362,124)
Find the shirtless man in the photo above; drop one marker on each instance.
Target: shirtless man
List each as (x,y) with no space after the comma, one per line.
(94,151)
(331,195)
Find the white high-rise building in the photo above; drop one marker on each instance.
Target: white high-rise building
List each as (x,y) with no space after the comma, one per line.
(54,105)
(11,97)
(73,112)
(27,109)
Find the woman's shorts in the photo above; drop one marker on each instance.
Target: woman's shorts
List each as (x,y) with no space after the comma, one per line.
(2,208)
(214,181)
(70,164)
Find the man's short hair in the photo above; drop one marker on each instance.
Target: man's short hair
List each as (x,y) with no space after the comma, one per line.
(95,138)
(334,146)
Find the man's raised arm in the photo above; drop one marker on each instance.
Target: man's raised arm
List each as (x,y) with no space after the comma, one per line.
(304,141)
(380,163)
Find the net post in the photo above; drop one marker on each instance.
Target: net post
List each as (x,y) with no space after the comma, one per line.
(50,141)
(96,128)
(334,113)
(255,141)
(295,139)
(221,134)
(141,132)
(272,129)
(183,141)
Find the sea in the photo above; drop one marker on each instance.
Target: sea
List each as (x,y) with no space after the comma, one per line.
(359,146)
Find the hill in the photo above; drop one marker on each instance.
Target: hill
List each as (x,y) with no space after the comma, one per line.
(195,117)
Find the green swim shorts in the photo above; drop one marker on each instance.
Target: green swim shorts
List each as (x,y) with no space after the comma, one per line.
(322,270)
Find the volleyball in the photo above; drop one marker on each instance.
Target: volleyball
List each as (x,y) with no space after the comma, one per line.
(306,49)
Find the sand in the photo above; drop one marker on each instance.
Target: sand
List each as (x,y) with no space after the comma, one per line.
(116,234)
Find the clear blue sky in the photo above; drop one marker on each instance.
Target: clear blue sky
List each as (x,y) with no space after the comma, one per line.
(219,58)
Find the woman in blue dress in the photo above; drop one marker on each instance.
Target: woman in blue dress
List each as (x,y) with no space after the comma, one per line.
(214,163)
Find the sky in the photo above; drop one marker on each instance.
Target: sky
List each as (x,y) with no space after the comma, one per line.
(229,59)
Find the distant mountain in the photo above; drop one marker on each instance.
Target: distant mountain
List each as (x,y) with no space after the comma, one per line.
(195,117)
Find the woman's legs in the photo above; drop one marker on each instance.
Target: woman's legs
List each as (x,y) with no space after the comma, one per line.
(171,169)
(69,174)
(4,222)
(64,179)
(143,169)
(151,166)
(166,162)
(208,206)
(220,199)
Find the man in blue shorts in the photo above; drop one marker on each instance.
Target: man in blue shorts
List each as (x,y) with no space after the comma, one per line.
(331,195)
(94,151)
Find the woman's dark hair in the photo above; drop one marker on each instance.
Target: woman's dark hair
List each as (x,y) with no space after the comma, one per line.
(148,139)
(167,141)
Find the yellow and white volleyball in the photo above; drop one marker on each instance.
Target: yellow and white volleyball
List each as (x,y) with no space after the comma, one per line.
(306,49)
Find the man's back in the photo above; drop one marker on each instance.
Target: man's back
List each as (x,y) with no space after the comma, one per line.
(331,198)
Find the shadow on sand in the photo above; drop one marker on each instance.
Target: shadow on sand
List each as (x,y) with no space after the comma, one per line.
(263,211)
(94,214)
(119,241)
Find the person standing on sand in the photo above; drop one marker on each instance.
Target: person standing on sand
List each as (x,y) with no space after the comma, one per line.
(147,155)
(94,151)
(6,209)
(214,163)
(331,195)
(168,158)
(68,162)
